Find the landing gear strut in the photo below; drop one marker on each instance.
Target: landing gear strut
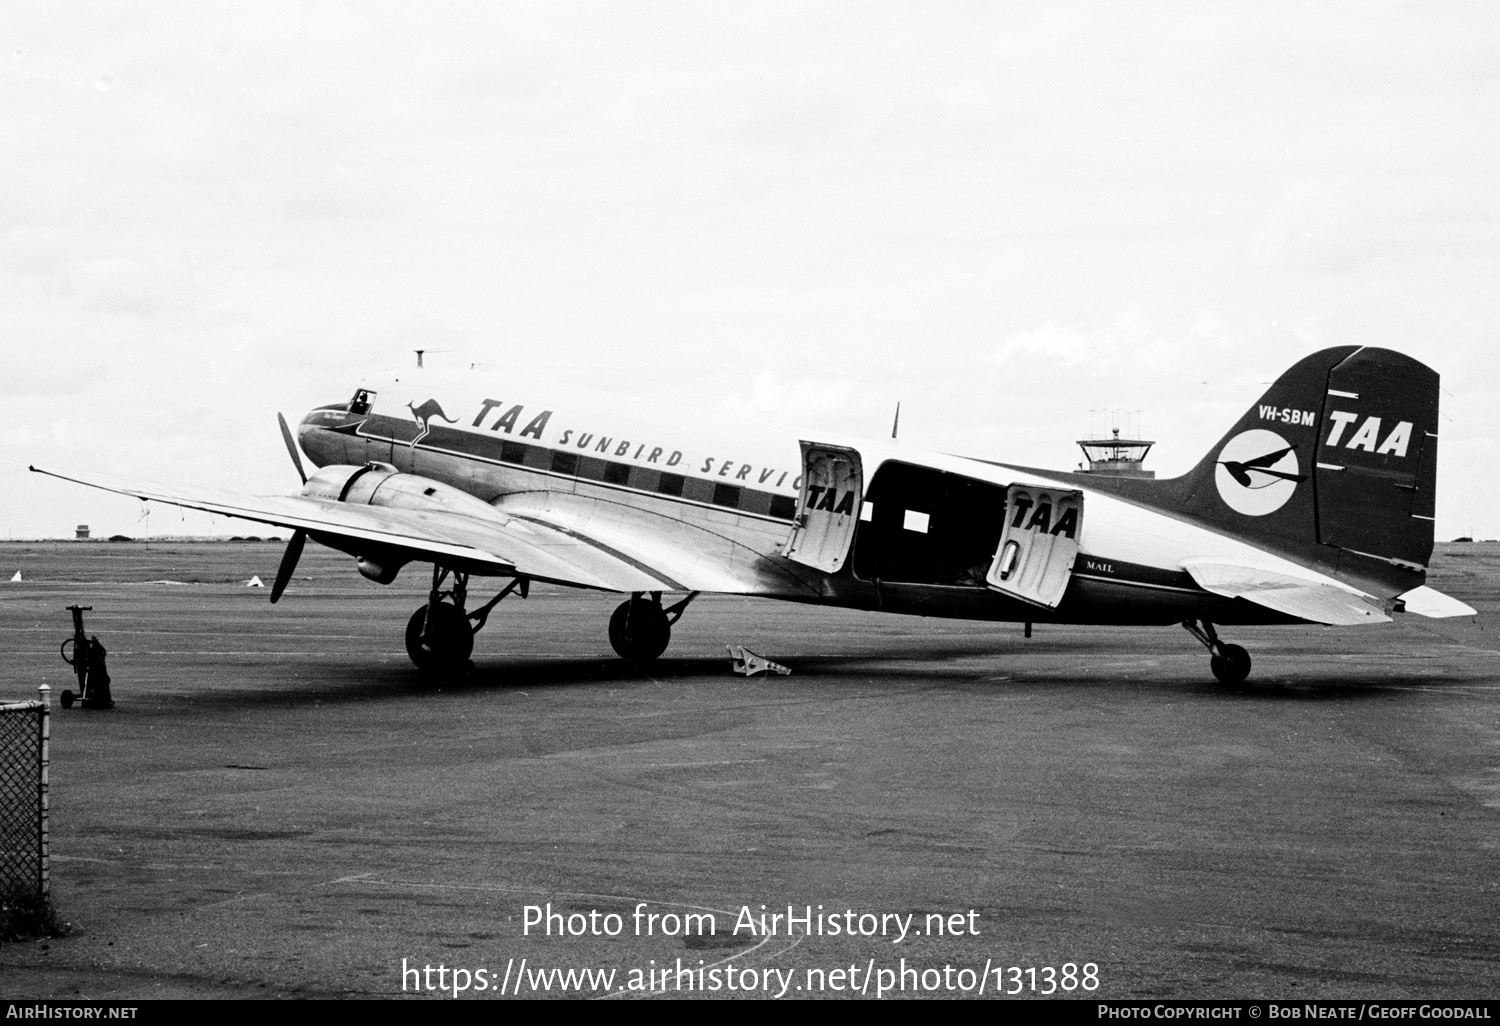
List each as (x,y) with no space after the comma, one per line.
(440,635)
(640,628)
(1230,663)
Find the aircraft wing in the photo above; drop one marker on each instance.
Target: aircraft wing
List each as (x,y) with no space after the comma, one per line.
(504,545)
(1294,596)
(690,557)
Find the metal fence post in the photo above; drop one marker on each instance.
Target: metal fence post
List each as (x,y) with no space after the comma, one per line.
(44,883)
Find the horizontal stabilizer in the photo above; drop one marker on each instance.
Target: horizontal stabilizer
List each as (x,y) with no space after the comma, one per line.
(1425,601)
(1294,596)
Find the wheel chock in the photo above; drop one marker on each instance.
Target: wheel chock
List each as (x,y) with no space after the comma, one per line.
(742,660)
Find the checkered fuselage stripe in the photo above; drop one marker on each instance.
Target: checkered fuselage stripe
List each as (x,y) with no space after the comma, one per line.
(547,460)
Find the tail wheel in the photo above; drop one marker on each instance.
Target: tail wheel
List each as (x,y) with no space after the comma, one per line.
(639,630)
(448,642)
(1233,666)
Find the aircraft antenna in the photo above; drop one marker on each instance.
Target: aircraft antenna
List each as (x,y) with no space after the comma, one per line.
(896,424)
(419,353)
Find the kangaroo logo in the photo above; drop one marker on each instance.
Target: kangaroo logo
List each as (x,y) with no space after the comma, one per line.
(1257,472)
(425,413)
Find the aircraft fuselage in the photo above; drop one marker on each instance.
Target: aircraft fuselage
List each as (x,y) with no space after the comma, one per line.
(722,497)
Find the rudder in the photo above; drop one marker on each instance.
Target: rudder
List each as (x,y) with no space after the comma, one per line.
(1376,474)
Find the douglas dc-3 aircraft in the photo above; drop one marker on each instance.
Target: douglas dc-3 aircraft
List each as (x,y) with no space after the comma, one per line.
(1316,507)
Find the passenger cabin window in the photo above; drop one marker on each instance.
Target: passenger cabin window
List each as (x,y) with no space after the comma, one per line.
(360,404)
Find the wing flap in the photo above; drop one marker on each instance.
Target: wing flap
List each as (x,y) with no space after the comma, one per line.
(1295,596)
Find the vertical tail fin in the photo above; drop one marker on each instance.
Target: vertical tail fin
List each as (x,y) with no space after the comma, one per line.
(1338,460)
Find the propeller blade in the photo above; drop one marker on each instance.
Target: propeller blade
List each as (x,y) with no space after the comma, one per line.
(288,561)
(291,447)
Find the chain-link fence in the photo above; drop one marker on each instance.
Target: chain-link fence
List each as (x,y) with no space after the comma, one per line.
(23,809)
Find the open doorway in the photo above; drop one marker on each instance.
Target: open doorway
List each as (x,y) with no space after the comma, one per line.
(925,526)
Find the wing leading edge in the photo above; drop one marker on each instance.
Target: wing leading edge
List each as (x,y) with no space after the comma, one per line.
(503,546)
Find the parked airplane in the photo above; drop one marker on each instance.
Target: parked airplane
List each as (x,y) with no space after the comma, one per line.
(1317,506)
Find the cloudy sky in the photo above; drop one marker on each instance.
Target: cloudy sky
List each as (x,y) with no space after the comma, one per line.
(1007,216)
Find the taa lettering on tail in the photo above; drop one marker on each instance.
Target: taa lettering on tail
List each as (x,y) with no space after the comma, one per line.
(1395,442)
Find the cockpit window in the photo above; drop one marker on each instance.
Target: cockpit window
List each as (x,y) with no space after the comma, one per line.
(360,404)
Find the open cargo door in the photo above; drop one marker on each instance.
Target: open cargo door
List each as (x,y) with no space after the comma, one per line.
(1038,545)
(828,510)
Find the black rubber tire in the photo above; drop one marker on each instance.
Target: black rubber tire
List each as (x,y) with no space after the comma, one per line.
(452,639)
(1233,666)
(67,699)
(639,631)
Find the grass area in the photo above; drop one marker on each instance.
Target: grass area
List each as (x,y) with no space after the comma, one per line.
(29,918)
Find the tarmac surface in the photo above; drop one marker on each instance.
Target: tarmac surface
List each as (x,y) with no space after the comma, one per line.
(280,806)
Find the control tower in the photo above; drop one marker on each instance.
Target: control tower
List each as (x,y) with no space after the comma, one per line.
(1115,456)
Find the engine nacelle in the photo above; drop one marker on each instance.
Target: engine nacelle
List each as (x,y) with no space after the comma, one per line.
(380,484)
(333,481)
(383,572)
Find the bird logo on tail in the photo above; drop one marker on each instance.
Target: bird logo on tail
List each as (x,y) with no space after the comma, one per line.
(1257,472)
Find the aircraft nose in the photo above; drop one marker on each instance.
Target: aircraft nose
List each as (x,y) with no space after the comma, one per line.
(323,416)
(309,422)
(316,436)
(331,415)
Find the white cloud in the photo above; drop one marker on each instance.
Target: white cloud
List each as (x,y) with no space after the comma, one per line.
(1322,226)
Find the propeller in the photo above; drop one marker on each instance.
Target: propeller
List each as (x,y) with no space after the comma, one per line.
(288,563)
(299,538)
(291,447)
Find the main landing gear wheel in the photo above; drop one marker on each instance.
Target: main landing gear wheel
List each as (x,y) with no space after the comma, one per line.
(444,644)
(445,639)
(1230,663)
(1232,666)
(639,630)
